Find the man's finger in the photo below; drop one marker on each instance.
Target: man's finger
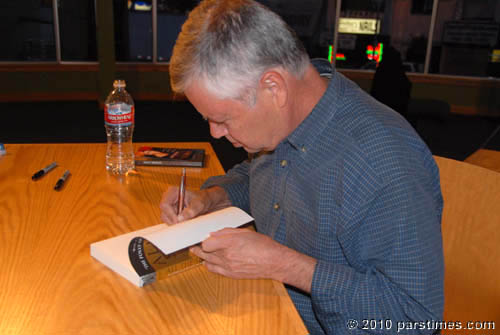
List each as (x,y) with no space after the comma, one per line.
(169,198)
(215,243)
(228,231)
(187,213)
(194,207)
(168,206)
(206,256)
(169,217)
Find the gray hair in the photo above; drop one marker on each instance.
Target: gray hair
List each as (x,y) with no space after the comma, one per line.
(229,44)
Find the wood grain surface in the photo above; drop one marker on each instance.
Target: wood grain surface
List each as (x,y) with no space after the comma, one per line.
(49,283)
(471,242)
(489,159)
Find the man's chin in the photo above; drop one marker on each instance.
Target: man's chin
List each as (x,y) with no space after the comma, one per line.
(247,149)
(251,151)
(238,145)
(257,150)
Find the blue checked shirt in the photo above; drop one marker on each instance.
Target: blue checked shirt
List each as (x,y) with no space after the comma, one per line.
(354,187)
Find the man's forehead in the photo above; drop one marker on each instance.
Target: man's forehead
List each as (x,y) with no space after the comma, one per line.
(206,103)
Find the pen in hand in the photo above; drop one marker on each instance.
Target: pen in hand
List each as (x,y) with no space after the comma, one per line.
(44,171)
(182,192)
(61,181)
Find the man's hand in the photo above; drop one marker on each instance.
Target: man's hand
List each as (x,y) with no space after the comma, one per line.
(195,202)
(242,253)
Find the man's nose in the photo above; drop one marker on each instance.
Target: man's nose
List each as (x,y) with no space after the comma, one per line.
(217,130)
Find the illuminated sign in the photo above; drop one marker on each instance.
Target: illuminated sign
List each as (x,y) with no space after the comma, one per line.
(142,6)
(375,53)
(359,26)
(495,56)
(339,56)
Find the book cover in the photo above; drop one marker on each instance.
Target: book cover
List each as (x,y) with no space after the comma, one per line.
(164,156)
(154,253)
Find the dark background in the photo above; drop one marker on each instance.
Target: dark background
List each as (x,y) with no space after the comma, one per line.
(449,135)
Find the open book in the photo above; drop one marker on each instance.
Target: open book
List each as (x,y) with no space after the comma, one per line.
(150,254)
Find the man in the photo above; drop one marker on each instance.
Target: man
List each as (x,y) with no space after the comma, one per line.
(346,197)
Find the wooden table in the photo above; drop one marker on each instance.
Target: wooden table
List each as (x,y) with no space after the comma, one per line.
(489,159)
(49,283)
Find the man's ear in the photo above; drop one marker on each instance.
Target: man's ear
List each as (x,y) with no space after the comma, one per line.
(275,84)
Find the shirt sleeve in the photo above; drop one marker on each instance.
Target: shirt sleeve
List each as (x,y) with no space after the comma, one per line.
(392,281)
(236,183)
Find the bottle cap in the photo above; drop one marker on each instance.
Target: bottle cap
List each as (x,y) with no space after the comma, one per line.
(119,83)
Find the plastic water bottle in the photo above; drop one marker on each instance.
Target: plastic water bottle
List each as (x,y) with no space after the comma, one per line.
(119,123)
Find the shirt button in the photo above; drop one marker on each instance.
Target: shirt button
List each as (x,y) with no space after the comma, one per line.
(303,149)
(283,163)
(276,206)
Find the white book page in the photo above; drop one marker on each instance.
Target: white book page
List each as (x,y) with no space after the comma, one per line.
(194,231)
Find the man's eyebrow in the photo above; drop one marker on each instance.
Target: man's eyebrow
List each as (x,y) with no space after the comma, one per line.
(206,118)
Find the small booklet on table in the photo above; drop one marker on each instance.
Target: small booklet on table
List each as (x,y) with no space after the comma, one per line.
(147,255)
(169,156)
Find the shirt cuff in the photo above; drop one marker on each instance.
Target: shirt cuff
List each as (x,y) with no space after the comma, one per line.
(332,288)
(330,280)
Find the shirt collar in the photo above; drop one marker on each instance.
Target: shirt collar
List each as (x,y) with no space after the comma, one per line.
(313,125)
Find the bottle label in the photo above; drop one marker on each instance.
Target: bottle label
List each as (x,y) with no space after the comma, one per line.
(119,114)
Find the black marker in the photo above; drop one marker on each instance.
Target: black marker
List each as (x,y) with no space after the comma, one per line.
(43,171)
(60,182)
